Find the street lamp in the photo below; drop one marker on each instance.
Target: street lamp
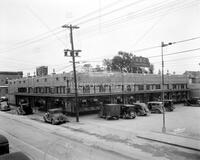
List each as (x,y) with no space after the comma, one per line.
(163,96)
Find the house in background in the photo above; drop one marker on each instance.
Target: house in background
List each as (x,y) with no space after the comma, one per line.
(194,83)
(4,77)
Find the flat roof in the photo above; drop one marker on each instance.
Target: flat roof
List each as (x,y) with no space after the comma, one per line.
(11,73)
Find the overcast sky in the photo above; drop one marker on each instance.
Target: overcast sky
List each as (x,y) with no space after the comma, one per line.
(31,34)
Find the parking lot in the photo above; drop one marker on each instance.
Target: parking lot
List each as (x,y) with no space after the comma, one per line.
(92,130)
(184,121)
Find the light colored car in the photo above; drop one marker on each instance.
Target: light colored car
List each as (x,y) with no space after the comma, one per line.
(155,107)
(141,109)
(4,106)
(55,116)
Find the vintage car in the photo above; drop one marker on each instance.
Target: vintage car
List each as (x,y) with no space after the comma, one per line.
(4,106)
(169,105)
(110,111)
(55,116)
(127,111)
(24,108)
(141,109)
(155,107)
(195,101)
(4,145)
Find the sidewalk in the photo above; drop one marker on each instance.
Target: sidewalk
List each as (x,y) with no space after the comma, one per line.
(95,132)
(175,140)
(103,132)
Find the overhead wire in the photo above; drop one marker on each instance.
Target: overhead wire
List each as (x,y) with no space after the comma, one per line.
(134,51)
(53,31)
(169,54)
(122,19)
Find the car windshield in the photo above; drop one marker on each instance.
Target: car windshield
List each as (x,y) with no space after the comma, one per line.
(4,103)
(55,111)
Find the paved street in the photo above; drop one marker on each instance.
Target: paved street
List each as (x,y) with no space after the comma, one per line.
(95,138)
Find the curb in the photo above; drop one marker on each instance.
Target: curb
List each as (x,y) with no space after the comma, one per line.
(173,144)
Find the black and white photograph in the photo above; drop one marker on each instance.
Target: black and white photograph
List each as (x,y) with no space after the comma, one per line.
(99,80)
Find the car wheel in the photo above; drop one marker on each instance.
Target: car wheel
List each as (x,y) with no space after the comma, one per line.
(124,116)
(157,111)
(44,119)
(132,115)
(53,121)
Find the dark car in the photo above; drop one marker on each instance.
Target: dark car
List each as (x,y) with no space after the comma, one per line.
(55,116)
(127,111)
(110,111)
(141,109)
(169,105)
(4,145)
(4,106)
(24,108)
(15,156)
(195,101)
(155,107)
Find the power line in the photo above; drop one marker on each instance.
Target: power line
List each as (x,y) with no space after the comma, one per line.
(147,13)
(34,41)
(55,30)
(110,12)
(185,51)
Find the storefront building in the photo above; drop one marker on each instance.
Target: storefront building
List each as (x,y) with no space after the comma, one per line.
(4,78)
(57,90)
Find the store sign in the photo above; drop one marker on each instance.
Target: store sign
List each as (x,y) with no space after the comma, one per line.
(138,61)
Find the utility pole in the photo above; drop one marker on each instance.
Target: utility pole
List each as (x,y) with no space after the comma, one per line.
(73,53)
(163,83)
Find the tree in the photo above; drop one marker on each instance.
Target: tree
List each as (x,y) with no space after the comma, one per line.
(151,69)
(124,62)
(87,67)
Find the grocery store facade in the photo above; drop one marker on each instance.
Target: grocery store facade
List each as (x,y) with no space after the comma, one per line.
(57,90)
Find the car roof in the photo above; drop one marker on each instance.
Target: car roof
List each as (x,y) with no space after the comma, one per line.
(128,105)
(55,109)
(155,102)
(140,104)
(111,104)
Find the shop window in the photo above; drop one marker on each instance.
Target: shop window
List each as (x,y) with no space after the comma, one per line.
(128,88)
(148,87)
(174,86)
(86,89)
(6,81)
(102,88)
(157,86)
(68,90)
(140,87)
(22,90)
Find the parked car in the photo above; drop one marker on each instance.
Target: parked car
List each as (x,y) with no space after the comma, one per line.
(169,105)
(155,107)
(195,101)
(110,111)
(15,156)
(141,109)
(24,108)
(55,116)
(4,145)
(127,111)
(4,106)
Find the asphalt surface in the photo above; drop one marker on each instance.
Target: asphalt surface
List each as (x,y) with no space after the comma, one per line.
(95,138)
